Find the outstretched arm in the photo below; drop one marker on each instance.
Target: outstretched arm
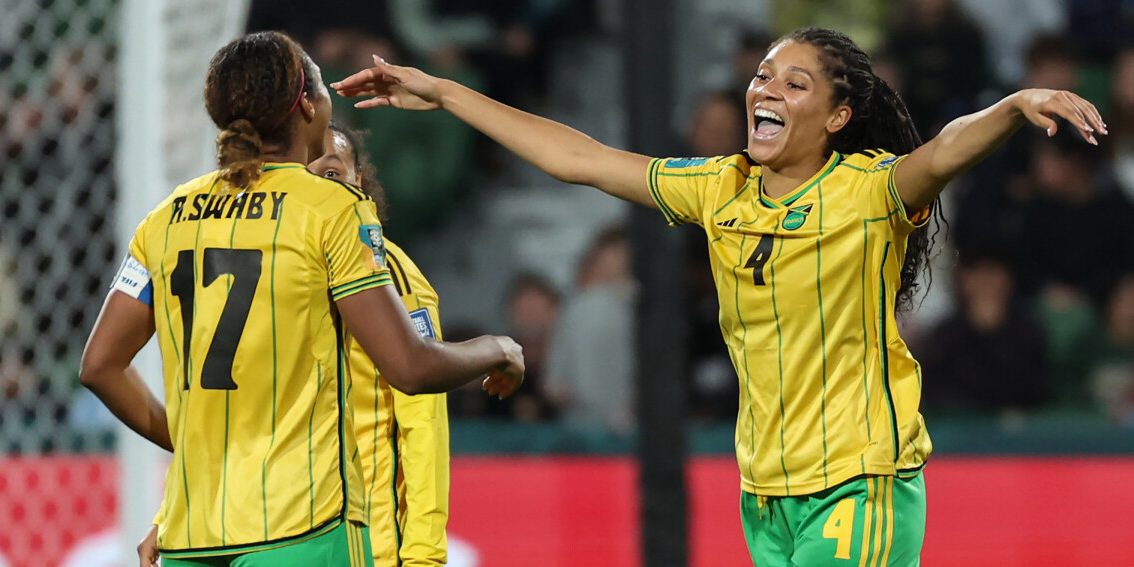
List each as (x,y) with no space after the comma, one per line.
(562,152)
(965,141)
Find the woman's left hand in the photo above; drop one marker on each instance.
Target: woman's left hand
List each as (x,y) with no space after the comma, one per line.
(1042,106)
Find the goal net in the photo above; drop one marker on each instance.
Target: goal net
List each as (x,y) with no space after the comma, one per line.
(100,116)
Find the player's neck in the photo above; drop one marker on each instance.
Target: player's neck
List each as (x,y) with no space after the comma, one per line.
(776,183)
(296,153)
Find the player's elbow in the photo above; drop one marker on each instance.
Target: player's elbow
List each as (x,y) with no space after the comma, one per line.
(408,376)
(578,165)
(93,372)
(410,383)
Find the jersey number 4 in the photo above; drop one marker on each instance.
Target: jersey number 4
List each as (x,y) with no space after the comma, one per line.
(245,267)
(759,257)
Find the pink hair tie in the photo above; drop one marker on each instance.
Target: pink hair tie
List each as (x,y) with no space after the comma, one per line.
(298,97)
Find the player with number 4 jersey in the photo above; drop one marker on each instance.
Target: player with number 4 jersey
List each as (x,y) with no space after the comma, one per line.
(817,239)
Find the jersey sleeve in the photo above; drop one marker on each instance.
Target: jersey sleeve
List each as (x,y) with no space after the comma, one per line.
(422,435)
(679,186)
(133,277)
(880,195)
(355,251)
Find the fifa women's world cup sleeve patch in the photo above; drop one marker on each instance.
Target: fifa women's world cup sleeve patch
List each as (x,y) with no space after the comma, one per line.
(371,235)
(355,251)
(133,279)
(423,323)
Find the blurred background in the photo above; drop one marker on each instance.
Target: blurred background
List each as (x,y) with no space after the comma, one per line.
(1026,333)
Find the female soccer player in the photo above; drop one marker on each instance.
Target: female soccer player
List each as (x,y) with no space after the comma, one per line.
(812,253)
(403,440)
(252,275)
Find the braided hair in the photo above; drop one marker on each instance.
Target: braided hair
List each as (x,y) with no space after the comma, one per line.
(879,119)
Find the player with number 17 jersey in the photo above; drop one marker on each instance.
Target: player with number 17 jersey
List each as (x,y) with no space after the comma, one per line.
(243,285)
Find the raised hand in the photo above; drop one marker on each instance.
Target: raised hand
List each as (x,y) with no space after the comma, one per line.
(391,85)
(505,379)
(1042,106)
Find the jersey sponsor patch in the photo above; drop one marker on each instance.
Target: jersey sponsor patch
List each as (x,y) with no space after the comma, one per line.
(133,279)
(679,163)
(371,236)
(423,323)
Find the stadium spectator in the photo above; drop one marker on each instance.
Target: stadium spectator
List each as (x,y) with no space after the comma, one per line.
(943,59)
(531,306)
(1075,232)
(1112,372)
(1122,119)
(716,128)
(989,355)
(592,363)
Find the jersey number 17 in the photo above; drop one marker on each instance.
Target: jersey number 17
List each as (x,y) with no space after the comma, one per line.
(245,267)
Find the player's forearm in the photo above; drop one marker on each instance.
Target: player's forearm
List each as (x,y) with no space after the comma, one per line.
(548,145)
(960,145)
(968,139)
(557,149)
(435,367)
(130,400)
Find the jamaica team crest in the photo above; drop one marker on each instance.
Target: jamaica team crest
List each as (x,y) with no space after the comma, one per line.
(796,216)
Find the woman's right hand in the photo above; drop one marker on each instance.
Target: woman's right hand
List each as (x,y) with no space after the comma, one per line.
(147,549)
(505,379)
(391,85)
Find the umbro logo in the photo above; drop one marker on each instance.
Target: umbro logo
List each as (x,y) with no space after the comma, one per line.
(728,223)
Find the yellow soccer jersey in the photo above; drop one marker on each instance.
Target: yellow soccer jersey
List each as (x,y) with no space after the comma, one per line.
(404,442)
(254,354)
(807,284)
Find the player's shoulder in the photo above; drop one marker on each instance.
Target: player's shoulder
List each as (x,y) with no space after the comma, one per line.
(327,196)
(408,277)
(869,161)
(715,165)
(200,184)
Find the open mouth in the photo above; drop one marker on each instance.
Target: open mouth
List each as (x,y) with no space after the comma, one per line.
(768,123)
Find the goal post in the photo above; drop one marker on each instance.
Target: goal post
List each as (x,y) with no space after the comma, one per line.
(164,138)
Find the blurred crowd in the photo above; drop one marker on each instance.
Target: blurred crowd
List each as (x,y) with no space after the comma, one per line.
(1031,304)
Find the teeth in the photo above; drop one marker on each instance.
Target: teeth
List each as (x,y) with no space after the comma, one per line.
(764,113)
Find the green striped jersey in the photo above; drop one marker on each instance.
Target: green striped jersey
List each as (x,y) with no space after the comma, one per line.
(807,284)
(254,355)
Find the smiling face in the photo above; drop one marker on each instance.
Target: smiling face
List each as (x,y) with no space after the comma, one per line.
(790,108)
(338,161)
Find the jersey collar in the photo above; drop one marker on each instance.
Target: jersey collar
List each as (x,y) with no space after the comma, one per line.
(285,165)
(787,200)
